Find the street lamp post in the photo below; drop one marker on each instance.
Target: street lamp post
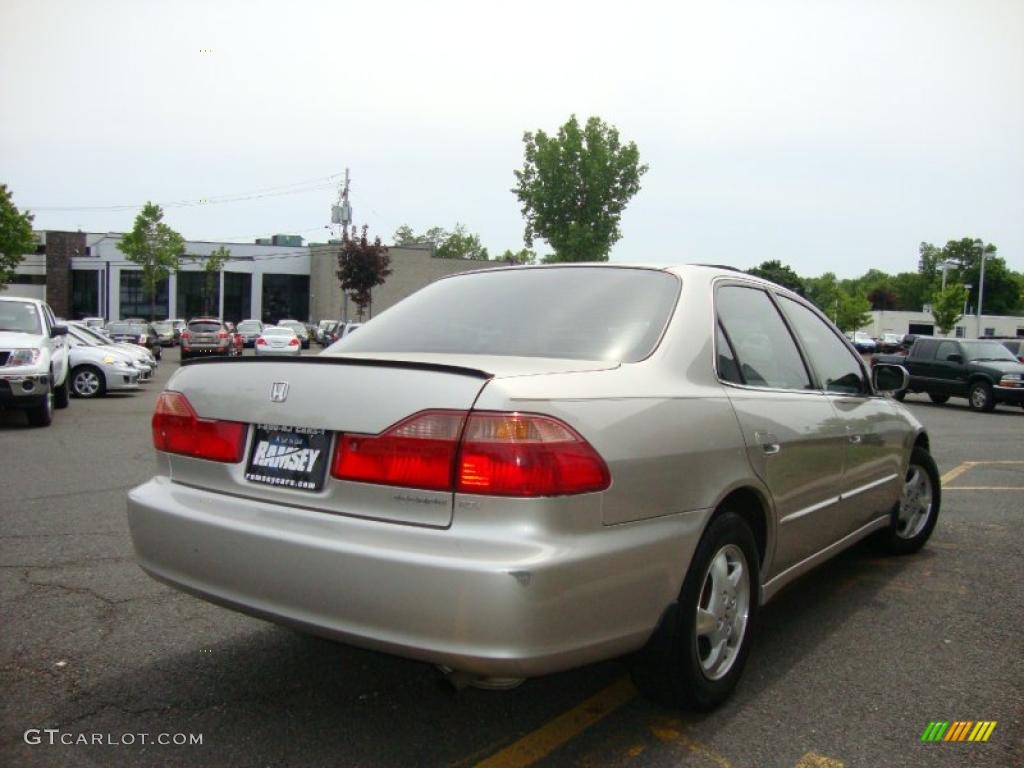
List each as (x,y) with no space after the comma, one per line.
(981,286)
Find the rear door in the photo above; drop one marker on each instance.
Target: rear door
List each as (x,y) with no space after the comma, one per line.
(795,442)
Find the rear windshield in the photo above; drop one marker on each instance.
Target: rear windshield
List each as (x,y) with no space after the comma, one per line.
(580,313)
(204,327)
(249,325)
(278,332)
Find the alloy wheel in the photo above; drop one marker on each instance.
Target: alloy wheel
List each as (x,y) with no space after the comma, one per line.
(722,611)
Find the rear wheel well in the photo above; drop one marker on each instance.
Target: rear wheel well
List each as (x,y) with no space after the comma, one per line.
(747,503)
(922,441)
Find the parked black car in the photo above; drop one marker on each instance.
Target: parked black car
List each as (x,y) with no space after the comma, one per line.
(249,330)
(135,332)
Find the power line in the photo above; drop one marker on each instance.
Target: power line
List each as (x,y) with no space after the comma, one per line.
(312,185)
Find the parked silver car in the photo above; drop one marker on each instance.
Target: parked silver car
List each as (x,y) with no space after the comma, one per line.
(98,368)
(522,470)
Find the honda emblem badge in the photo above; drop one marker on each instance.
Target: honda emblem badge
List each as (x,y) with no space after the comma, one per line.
(279,391)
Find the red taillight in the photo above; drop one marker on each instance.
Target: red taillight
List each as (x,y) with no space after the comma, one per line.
(415,453)
(522,454)
(260,341)
(222,334)
(498,454)
(178,429)
(293,343)
(186,335)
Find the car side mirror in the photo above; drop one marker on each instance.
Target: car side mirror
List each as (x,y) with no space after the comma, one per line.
(58,330)
(954,358)
(888,379)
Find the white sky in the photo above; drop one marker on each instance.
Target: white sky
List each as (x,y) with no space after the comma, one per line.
(831,135)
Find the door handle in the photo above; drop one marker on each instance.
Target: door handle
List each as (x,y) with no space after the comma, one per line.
(769,443)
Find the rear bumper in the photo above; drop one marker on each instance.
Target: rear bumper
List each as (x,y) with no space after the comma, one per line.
(511,600)
(278,351)
(206,350)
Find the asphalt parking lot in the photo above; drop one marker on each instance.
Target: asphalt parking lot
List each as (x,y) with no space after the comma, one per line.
(850,666)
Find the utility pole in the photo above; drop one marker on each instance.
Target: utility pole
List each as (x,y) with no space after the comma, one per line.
(981,286)
(341,215)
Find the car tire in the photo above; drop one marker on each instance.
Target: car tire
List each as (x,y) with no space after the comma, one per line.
(900,395)
(939,399)
(689,666)
(917,511)
(980,397)
(61,394)
(41,415)
(87,382)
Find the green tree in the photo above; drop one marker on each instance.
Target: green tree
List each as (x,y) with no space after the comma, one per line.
(522,256)
(362,266)
(853,311)
(824,291)
(460,244)
(574,186)
(15,236)
(214,264)
(948,305)
(1002,291)
(912,291)
(405,235)
(779,273)
(155,247)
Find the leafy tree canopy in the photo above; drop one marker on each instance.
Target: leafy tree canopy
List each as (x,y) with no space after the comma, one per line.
(155,247)
(948,305)
(362,265)
(15,236)
(574,186)
(458,243)
(779,273)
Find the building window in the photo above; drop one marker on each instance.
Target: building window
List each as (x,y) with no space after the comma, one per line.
(20,278)
(135,301)
(85,293)
(1020,333)
(960,331)
(237,296)
(285,297)
(990,331)
(198,294)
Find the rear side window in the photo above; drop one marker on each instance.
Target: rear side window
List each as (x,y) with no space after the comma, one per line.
(924,349)
(765,351)
(581,313)
(945,349)
(836,366)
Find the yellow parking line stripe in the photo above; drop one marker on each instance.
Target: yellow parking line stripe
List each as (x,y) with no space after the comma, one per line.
(542,742)
(985,488)
(955,472)
(814,760)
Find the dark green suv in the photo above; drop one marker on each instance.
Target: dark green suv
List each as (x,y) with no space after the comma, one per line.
(983,371)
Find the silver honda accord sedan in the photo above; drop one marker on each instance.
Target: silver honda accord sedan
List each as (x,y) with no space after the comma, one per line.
(522,470)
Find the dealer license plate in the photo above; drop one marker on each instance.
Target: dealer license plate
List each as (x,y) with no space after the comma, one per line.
(289,457)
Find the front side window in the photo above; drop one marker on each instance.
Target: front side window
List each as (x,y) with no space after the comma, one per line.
(765,351)
(838,369)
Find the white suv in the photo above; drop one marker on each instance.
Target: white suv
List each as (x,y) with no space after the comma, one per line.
(33,359)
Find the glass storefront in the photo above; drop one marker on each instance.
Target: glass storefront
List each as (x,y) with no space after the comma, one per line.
(198,294)
(85,293)
(237,296)
(135,300)
(285,297)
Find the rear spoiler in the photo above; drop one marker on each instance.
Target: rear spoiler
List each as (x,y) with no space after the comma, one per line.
(458,370)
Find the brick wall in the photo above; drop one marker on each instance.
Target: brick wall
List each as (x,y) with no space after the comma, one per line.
(60,248)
